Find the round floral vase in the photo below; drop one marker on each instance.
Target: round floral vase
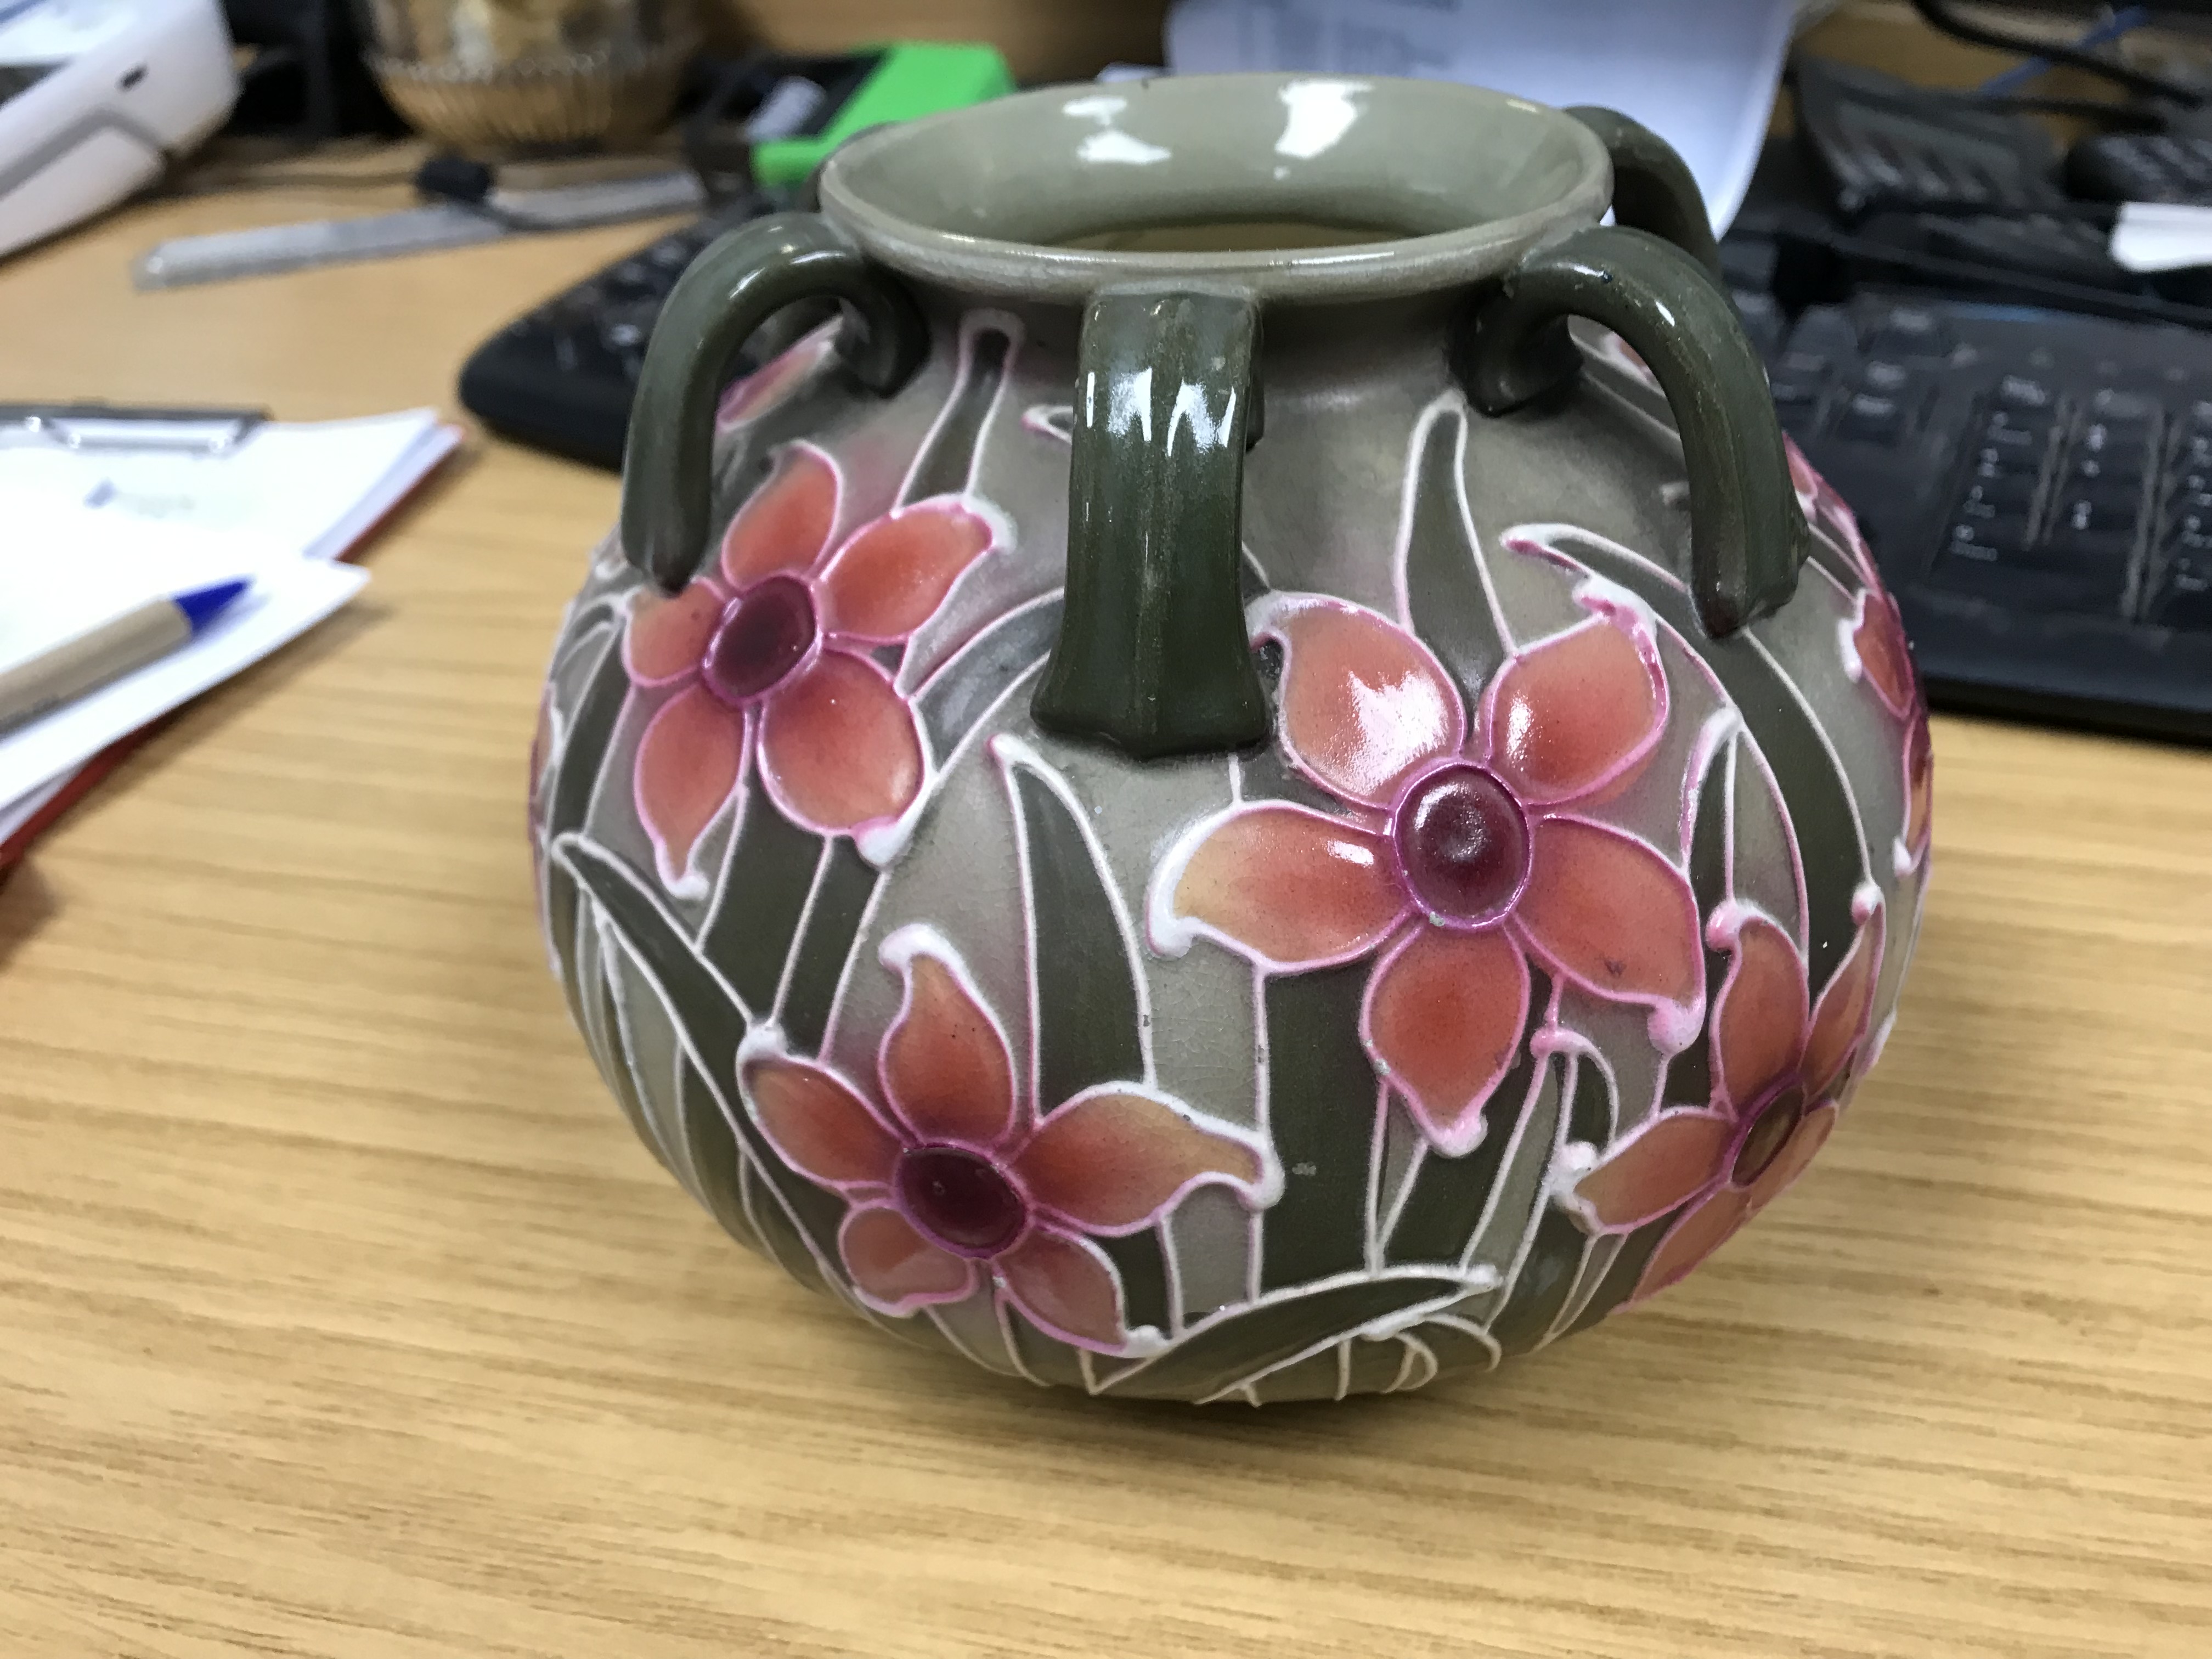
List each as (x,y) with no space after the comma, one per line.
(1197,860)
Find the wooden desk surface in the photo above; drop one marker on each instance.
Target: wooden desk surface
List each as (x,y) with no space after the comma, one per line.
(340,1314)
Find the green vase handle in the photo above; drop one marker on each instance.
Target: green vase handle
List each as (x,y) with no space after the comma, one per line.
(1652,187)
(1152,655)
(1748,538)
(735,285)
(1654,279)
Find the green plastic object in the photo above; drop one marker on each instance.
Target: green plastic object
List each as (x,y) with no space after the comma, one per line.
(911,78)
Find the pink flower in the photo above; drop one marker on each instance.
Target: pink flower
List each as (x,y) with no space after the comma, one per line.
(1875,649)
(770,653)
(1825,511)
(1779,1073)
(1919,785)
(774,380)
(1459,857)
(956,1178)
(1878,655)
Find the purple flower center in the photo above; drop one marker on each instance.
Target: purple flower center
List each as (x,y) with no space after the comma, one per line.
(1462,843)
(959,1198)
(765,632)
(1769,1134)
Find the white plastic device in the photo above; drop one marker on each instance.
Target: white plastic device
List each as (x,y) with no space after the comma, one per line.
(97,97)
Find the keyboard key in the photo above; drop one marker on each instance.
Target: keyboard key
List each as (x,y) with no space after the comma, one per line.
(2109,466)
(1763,321)
(2012,449)
(1871,419)
(2184,599)
(2016,391)
(2040,591)
(2123,408)
(2187,518)
(1998,540)
(1910,331)
(2088,547)
(2100,508)
(2111,438)
(1823,335)
(2006,492)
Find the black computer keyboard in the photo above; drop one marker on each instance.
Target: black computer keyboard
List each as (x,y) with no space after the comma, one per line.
(562,378)
(2142,166)
(2036,486)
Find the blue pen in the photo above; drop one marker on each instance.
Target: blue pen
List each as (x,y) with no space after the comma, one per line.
(145,634)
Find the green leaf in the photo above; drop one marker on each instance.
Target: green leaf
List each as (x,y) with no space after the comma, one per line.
(582,754)
(949,456)
(959,693)
(1445,1206)
(1554,1263)
(825,945)
(1218,1355)
(1690,1074)
(1321,1110)
(1085,981)
(1446,600)
(707,1016)
(758,900)
(1813,785)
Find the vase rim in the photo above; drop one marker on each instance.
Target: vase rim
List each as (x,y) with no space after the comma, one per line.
(1443,184)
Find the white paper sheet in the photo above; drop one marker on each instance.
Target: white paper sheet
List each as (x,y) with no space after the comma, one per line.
(1700,73)
(86,534)
(2153,236)
(19,811)
(39,606)
(288,488)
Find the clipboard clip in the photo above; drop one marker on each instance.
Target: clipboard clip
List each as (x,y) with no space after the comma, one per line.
(100,425)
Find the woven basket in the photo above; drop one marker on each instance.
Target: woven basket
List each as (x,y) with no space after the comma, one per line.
(614,96)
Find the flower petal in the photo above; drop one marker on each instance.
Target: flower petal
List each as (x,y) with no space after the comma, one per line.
(1363,702)
(1117,1156)
(1067,1287)
(1806,483)
(1840,1018)
(1693,1239)
(668,633)
(1286,886)
(824,1129)
(1659,1166)
(1758,1017)
(1442,1019)
(1811,1135)
(839,746)
(1879,644)
(1613,915)
(1576,712)
(786,524)
(1919,779)
(688,763)
(943,1064)
(893,573)
(1826,513)
(894,1267)
(750,399)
